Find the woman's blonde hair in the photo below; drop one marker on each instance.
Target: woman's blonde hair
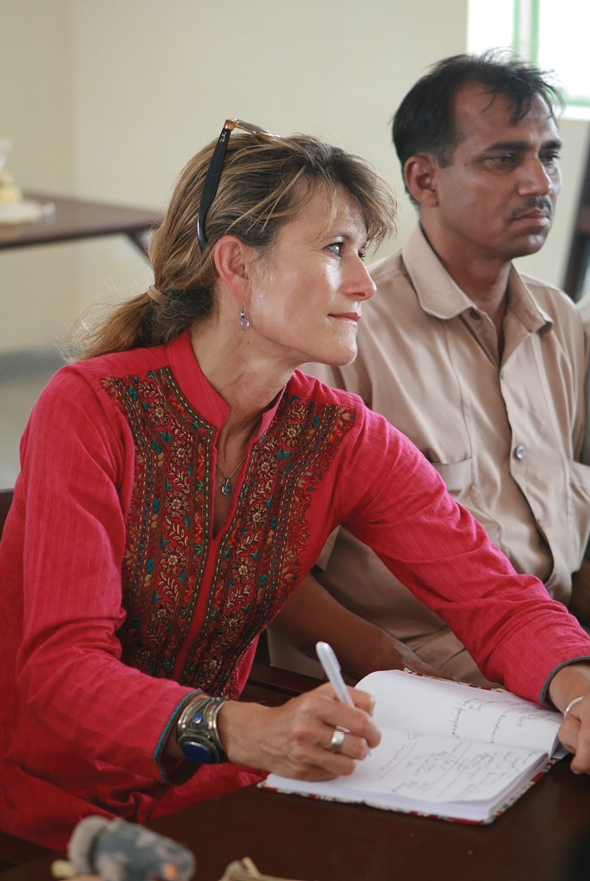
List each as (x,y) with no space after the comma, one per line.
(265,183)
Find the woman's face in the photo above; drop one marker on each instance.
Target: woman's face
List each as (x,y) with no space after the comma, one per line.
(307,292)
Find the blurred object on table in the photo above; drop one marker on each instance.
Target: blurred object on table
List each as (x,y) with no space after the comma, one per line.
(13,208)
(245,870)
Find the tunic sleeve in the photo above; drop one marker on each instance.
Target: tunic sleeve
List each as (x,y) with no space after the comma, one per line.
(397,503)
(75,486)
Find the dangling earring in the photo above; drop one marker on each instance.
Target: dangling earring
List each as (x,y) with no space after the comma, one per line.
(244,320)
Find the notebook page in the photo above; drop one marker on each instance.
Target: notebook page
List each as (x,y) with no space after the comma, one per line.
(429,774)
(435,769)
(419,703)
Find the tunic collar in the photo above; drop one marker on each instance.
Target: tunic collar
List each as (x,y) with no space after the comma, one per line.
(199,391)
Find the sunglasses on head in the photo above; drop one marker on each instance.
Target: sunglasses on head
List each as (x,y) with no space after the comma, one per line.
(215,167)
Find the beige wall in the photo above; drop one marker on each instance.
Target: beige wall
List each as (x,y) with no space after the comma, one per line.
(36,96)
(108,98)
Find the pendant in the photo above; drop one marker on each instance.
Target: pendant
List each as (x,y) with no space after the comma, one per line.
(226,487)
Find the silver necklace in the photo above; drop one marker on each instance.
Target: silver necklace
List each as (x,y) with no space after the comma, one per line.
(226,486)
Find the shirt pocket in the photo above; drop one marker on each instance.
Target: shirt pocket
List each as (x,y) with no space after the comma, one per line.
(456,475)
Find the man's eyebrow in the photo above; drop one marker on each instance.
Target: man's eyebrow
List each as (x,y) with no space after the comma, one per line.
(521,146)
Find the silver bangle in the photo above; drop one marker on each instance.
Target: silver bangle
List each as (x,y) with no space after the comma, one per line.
(571,705)
(209,708)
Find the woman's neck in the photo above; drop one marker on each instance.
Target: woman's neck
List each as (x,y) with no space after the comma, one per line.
(246,378)
(249,383)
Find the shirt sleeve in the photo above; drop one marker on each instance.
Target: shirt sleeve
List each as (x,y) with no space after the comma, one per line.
(75,485)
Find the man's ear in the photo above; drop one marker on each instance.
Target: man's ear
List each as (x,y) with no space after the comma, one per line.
(232,257)
(420,176)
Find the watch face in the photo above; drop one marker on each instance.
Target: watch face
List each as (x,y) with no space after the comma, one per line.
(197,752)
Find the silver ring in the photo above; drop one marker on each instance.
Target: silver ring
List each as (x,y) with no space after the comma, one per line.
(337,740)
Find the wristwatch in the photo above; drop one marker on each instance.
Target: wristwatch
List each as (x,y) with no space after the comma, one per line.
(196,731)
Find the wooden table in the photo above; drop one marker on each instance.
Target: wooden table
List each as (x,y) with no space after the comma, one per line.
(295,837)
(300,838)
(75,219)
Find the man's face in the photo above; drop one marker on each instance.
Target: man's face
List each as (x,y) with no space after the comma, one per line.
(497,198)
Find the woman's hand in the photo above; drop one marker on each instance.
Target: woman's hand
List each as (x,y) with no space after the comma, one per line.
(567,685)
(294,740)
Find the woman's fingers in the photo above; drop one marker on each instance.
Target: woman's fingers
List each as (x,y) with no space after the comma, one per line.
(336,714)
(575,736)
(313,736)
(569,690)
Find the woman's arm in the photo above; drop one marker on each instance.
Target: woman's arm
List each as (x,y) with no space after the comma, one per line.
(507,621)
(74,487)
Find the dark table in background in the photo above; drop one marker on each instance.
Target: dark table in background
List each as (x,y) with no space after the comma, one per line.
(75,219)
(314,840)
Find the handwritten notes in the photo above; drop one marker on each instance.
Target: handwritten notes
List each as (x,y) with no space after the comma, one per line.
(448,749)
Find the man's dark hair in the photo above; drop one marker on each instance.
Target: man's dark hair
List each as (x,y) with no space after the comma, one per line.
(425,120)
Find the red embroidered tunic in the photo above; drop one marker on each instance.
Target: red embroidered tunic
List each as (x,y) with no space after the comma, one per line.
(118,602)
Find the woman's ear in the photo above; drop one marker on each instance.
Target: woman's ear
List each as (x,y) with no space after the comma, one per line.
(232,258)
(420,177)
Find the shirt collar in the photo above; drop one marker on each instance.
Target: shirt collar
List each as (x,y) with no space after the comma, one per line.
(523,305)
(442,298)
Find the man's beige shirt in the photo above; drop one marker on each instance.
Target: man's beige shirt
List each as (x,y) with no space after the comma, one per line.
(506,435)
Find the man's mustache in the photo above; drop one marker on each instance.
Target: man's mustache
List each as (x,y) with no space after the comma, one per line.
(540,203)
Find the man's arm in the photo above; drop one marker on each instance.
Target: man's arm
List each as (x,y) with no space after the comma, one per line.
(579,604)
(312,614)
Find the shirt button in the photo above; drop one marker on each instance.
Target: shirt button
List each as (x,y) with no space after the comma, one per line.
(473,313)
(520,452)
(503,374)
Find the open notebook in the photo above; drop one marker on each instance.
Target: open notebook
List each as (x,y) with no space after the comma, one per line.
(450,750)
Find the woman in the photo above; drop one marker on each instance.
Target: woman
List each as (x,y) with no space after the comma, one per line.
(177,486)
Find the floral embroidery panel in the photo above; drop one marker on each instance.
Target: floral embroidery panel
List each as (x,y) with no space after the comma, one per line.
(169,528)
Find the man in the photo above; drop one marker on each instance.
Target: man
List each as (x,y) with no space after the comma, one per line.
(482,367)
